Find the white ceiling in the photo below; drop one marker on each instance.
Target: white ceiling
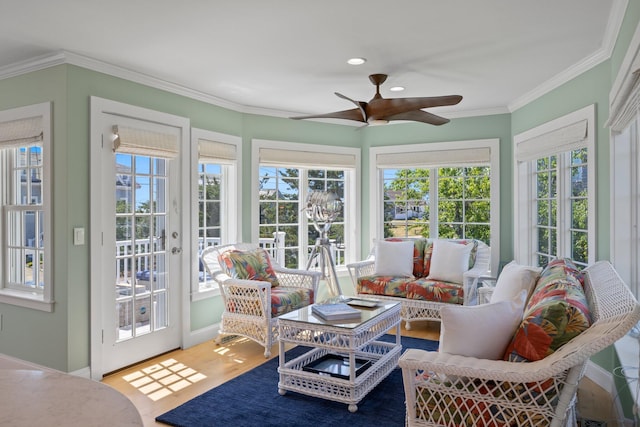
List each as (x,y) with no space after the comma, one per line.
(285,57)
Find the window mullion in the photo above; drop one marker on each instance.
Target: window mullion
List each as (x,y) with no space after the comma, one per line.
(433,202)
(303,222)
(564,205)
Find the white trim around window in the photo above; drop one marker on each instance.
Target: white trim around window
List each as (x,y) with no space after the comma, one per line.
(39,301)
(453,153)
(299,155)
(566,133)
(229,149)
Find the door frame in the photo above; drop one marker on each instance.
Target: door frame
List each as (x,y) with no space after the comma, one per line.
(99,107)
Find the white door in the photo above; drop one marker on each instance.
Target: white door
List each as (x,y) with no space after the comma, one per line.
(141,248)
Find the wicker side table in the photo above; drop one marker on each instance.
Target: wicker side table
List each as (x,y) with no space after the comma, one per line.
(349,341)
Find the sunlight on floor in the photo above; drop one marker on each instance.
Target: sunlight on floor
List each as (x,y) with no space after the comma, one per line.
(161,379)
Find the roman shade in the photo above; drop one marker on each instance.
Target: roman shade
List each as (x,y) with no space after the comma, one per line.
(145,142)
(567,138)
(21,133)
(218,152)
(433,158)
(309,159)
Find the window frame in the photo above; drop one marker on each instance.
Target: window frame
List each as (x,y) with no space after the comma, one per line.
(231,204)
(458,150)
(43,301)
(351,201)
(525,213)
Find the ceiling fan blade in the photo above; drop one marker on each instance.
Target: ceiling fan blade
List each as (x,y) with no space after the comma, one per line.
(360,104)
(382,107)
(353,114)
(419,116)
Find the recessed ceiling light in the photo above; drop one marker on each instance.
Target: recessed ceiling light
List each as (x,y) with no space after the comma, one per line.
(396,89)
(356,61)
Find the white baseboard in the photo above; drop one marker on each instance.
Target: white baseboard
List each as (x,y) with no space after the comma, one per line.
(201,335)
(83,372)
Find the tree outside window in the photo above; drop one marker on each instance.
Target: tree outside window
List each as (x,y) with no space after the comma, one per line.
(461,202)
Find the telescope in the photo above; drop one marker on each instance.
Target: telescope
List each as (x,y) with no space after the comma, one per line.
(323,208)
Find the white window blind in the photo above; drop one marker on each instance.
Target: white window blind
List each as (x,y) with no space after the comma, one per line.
(567,138)
(145,142)
(432,158)
(214,151)
(21,133)
(309,159)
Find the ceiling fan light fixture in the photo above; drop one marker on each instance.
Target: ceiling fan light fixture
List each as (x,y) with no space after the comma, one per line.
(356,61)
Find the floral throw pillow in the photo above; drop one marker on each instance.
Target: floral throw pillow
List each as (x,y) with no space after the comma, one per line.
(557,312)
(249,265)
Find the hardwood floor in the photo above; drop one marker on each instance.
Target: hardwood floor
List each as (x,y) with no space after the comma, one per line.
(166,381)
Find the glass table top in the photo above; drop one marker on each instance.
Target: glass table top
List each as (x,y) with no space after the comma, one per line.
(306,315)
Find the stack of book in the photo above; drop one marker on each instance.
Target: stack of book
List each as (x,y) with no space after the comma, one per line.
(337,311)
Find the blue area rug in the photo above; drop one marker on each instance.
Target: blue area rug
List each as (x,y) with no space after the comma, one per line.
(252,399)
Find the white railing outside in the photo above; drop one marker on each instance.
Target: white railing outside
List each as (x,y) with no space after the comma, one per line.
(125,249)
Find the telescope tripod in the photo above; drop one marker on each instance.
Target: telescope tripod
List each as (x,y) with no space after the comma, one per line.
(321,253)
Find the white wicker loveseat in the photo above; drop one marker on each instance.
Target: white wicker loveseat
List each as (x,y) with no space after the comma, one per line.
(251,306)
(433,294)
(445,389)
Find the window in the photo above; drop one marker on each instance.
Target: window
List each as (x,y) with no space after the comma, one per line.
(625,204)
(555,197)
(286,174)
(446,190)
(216,158)
(460,210)
(25,255)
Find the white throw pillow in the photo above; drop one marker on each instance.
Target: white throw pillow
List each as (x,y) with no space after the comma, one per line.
(481,331)
(394,258)
(513,279)
(449,261)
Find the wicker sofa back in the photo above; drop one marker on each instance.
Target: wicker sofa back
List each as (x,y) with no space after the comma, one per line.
(421,298)
(447,389)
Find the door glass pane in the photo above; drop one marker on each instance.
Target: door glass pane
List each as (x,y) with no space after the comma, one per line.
(141,268)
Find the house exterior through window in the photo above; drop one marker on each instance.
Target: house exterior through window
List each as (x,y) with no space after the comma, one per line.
(25,255)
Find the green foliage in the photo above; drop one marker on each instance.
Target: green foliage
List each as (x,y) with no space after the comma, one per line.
(463,207)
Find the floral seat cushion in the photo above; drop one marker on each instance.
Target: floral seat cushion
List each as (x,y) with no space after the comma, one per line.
(383,285)
(284,300)
(433,290)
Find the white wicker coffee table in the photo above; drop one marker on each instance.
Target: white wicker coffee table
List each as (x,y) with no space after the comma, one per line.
(349,342)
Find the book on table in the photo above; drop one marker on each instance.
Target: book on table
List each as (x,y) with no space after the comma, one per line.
(337,311)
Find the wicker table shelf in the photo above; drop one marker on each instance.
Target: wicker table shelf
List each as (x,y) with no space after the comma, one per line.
(351,341)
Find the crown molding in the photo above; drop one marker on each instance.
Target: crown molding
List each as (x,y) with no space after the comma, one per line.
(65,57)
(608,43)
(30,65)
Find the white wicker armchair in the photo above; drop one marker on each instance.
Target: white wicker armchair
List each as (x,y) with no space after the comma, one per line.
(442,389)
(247,303)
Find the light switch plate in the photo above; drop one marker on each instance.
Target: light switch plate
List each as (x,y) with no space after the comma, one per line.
(78,236)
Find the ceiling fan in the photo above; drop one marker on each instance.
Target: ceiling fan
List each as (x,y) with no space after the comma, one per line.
(380,110)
